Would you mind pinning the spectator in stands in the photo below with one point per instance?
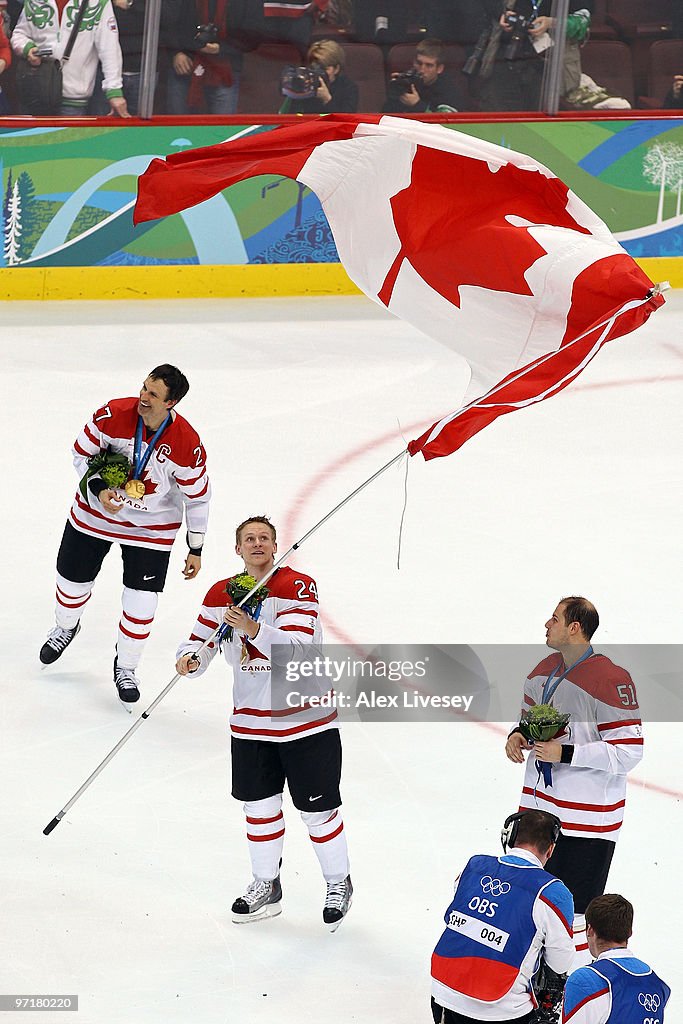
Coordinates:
(429, 90)
(47, 26)
(5, 61)
(205, 67)
(337, 93)
(511, 72)
(673, 99)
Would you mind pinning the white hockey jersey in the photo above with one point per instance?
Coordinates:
(175, 478)
(605, 728)
(289, 615)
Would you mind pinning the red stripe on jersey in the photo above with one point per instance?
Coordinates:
(81, 451)
(133, 636)
(264, 821)
(619, 725)
(529, 700)
(297, 629)
(298, 611)
(594, 995)
(270, 713)
(122, 536)
(91, 437)
(326, 839)
(592, 828)
(563, 919)
(188, 483)
(138, 622)
(201, 493)
(206, 622)
(124, 522)
(284, 732)
(265, 839)
(615, 743)
(573, 805)
(580, 948)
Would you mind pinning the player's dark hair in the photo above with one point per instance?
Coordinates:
(176, 382)
(538, 829)
(611, 917)
(579, 609)
(254, 519)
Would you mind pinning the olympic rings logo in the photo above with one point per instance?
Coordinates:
(494, 886)
(649, 1001)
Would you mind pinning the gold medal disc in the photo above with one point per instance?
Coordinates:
(135, 489)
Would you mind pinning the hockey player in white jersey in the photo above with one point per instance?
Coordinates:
(269, 747)
(580, 775)
(140, 466)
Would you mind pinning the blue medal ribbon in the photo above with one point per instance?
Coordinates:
(551, 684)
(139, 460)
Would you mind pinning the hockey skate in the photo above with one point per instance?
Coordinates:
(261, 900)
(337, 902)
(57, 642)
(126, 684)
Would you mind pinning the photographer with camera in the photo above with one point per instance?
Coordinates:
(510, 57)
(424, 88)
(205, 68)
(322, 87)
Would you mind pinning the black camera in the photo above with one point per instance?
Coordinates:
(406, 79)
(519, 36)
(302, 83)
(206, 34)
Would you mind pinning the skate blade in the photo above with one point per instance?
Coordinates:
(332, 928)
(270, 910)
(127, 707)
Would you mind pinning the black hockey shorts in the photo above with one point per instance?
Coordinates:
(311, 766)
(81, 555)
(583, 865)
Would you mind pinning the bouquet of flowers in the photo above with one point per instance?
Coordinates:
(238, 587)
(542, 722)
(113, 467)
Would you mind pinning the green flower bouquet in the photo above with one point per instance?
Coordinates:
(237, 588)
(113, 467)
(542, 722)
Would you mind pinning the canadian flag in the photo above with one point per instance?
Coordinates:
(480, 247)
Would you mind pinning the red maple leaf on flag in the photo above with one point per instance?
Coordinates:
(459, 234)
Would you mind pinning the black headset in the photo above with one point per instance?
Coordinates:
(508, 834)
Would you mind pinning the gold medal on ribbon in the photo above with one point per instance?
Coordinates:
(135, 489)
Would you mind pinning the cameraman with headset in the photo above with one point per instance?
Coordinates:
(512, 52)
(425, 88)
(508, 944)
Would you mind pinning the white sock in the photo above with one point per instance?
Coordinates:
(582, 954)
(70, 600)
(326, 829)
(136, 621)
(265, 836)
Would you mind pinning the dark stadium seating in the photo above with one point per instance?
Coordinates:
(609, 64)
(665, 60)
(365, 65)
(259, 84)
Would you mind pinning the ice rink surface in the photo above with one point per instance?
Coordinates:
(127, 903)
